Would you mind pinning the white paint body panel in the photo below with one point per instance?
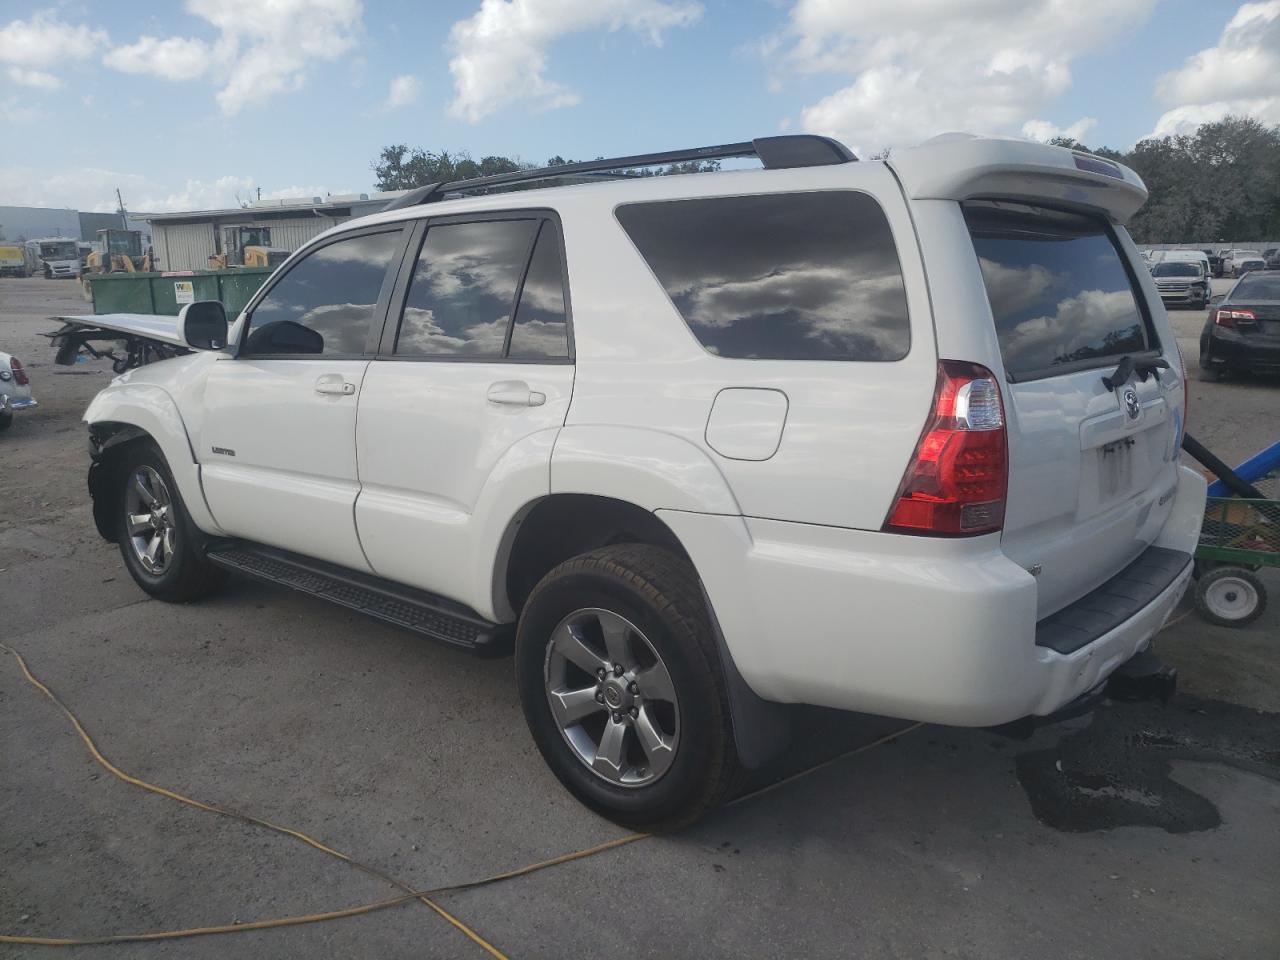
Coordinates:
(292, 481)
(438, 460)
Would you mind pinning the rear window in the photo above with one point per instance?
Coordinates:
(1257, 286)
(797, 276)
(1060, 293)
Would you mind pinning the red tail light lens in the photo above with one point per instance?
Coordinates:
(19, 375)
(1229, 317)
(957, 480)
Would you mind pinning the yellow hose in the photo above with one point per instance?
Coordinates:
(423, 896)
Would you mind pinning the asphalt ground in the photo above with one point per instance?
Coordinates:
(1143, 831)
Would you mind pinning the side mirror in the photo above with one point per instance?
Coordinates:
(203, 325)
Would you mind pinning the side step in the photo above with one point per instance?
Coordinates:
(416, 610)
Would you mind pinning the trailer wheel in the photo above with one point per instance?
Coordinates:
(1230, 596)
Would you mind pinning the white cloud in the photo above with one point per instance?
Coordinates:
(24, 77)
(403, 91)
(917, 68)
(262, 49)
(1044, 130)
(500, 53)
(44, 40)
(92, 188)
(171, 58)
(1241, 75)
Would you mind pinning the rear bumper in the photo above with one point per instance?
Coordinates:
(936, 630)
(1235, 351)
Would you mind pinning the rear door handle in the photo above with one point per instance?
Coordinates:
(515, 393)
(334, 384)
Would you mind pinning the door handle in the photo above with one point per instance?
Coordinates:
(334, 384)
(515, 393)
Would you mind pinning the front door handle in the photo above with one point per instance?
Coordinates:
(334, 384)
(515, 393)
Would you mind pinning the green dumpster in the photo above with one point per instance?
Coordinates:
(166, 293)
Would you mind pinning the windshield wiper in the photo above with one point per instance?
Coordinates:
(1142, 366)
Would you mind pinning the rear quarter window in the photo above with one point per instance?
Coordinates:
(796, 276)
(1061, 294)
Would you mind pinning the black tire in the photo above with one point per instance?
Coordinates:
(1230, 596)
(659, 593)
(187, 574)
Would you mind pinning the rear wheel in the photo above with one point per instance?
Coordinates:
(622, 687)
(1230, 596)
(161, 546)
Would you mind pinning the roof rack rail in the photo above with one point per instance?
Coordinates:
(775, 153)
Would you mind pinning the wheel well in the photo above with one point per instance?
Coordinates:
(107, 442)
(567, 524)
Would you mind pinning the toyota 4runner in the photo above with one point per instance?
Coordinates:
(899, 437)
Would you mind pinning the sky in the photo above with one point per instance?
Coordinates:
(195, 105)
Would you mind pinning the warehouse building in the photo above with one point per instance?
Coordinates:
(35, 223)
(186, 241)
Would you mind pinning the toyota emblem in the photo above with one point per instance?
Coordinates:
(1131, 405)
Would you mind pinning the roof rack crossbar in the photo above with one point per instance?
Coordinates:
(799, 150)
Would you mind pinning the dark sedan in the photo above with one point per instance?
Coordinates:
(1243, 330)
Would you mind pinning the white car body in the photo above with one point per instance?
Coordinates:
(775, 476)
(14, 393)
(1233, 262)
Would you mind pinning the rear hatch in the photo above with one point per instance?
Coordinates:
(1092, 467)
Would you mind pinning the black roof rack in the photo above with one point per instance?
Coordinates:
(775, 153)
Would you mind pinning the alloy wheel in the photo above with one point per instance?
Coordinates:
(151, 520)
(612, 697)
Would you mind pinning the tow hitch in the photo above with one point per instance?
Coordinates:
(1144, 677)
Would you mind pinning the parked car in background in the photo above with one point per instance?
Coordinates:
(12, 260)
(1215, 263)
(1188, 256)
(1239, 262)
(1182, 283)
(1243, 329)
(15, 389)
(1222, 261)
(1271, 257)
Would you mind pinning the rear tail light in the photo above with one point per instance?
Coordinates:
(19, 375)
(1226, 317)
(958, 477)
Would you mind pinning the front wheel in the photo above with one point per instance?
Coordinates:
(1230, 596)
(160, 544)
(622, 687)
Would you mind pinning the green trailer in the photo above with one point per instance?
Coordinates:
(166, 293)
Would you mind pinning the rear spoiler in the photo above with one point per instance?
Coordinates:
(957, 166)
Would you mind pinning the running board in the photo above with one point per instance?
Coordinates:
(423, 613)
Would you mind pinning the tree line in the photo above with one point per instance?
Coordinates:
(1220, 183)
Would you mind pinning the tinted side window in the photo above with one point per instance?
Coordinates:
(800, 276)
(463, 288)
(324, 304)
(1059, 291)
(540, 330)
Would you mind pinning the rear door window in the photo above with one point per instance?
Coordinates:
(464, 289)
(796, 276)
(1061, 294)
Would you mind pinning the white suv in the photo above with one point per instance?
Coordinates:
(898, 437)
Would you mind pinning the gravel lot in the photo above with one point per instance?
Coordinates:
(1143, 832)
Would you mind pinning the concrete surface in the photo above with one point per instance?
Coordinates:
(1141, 832)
